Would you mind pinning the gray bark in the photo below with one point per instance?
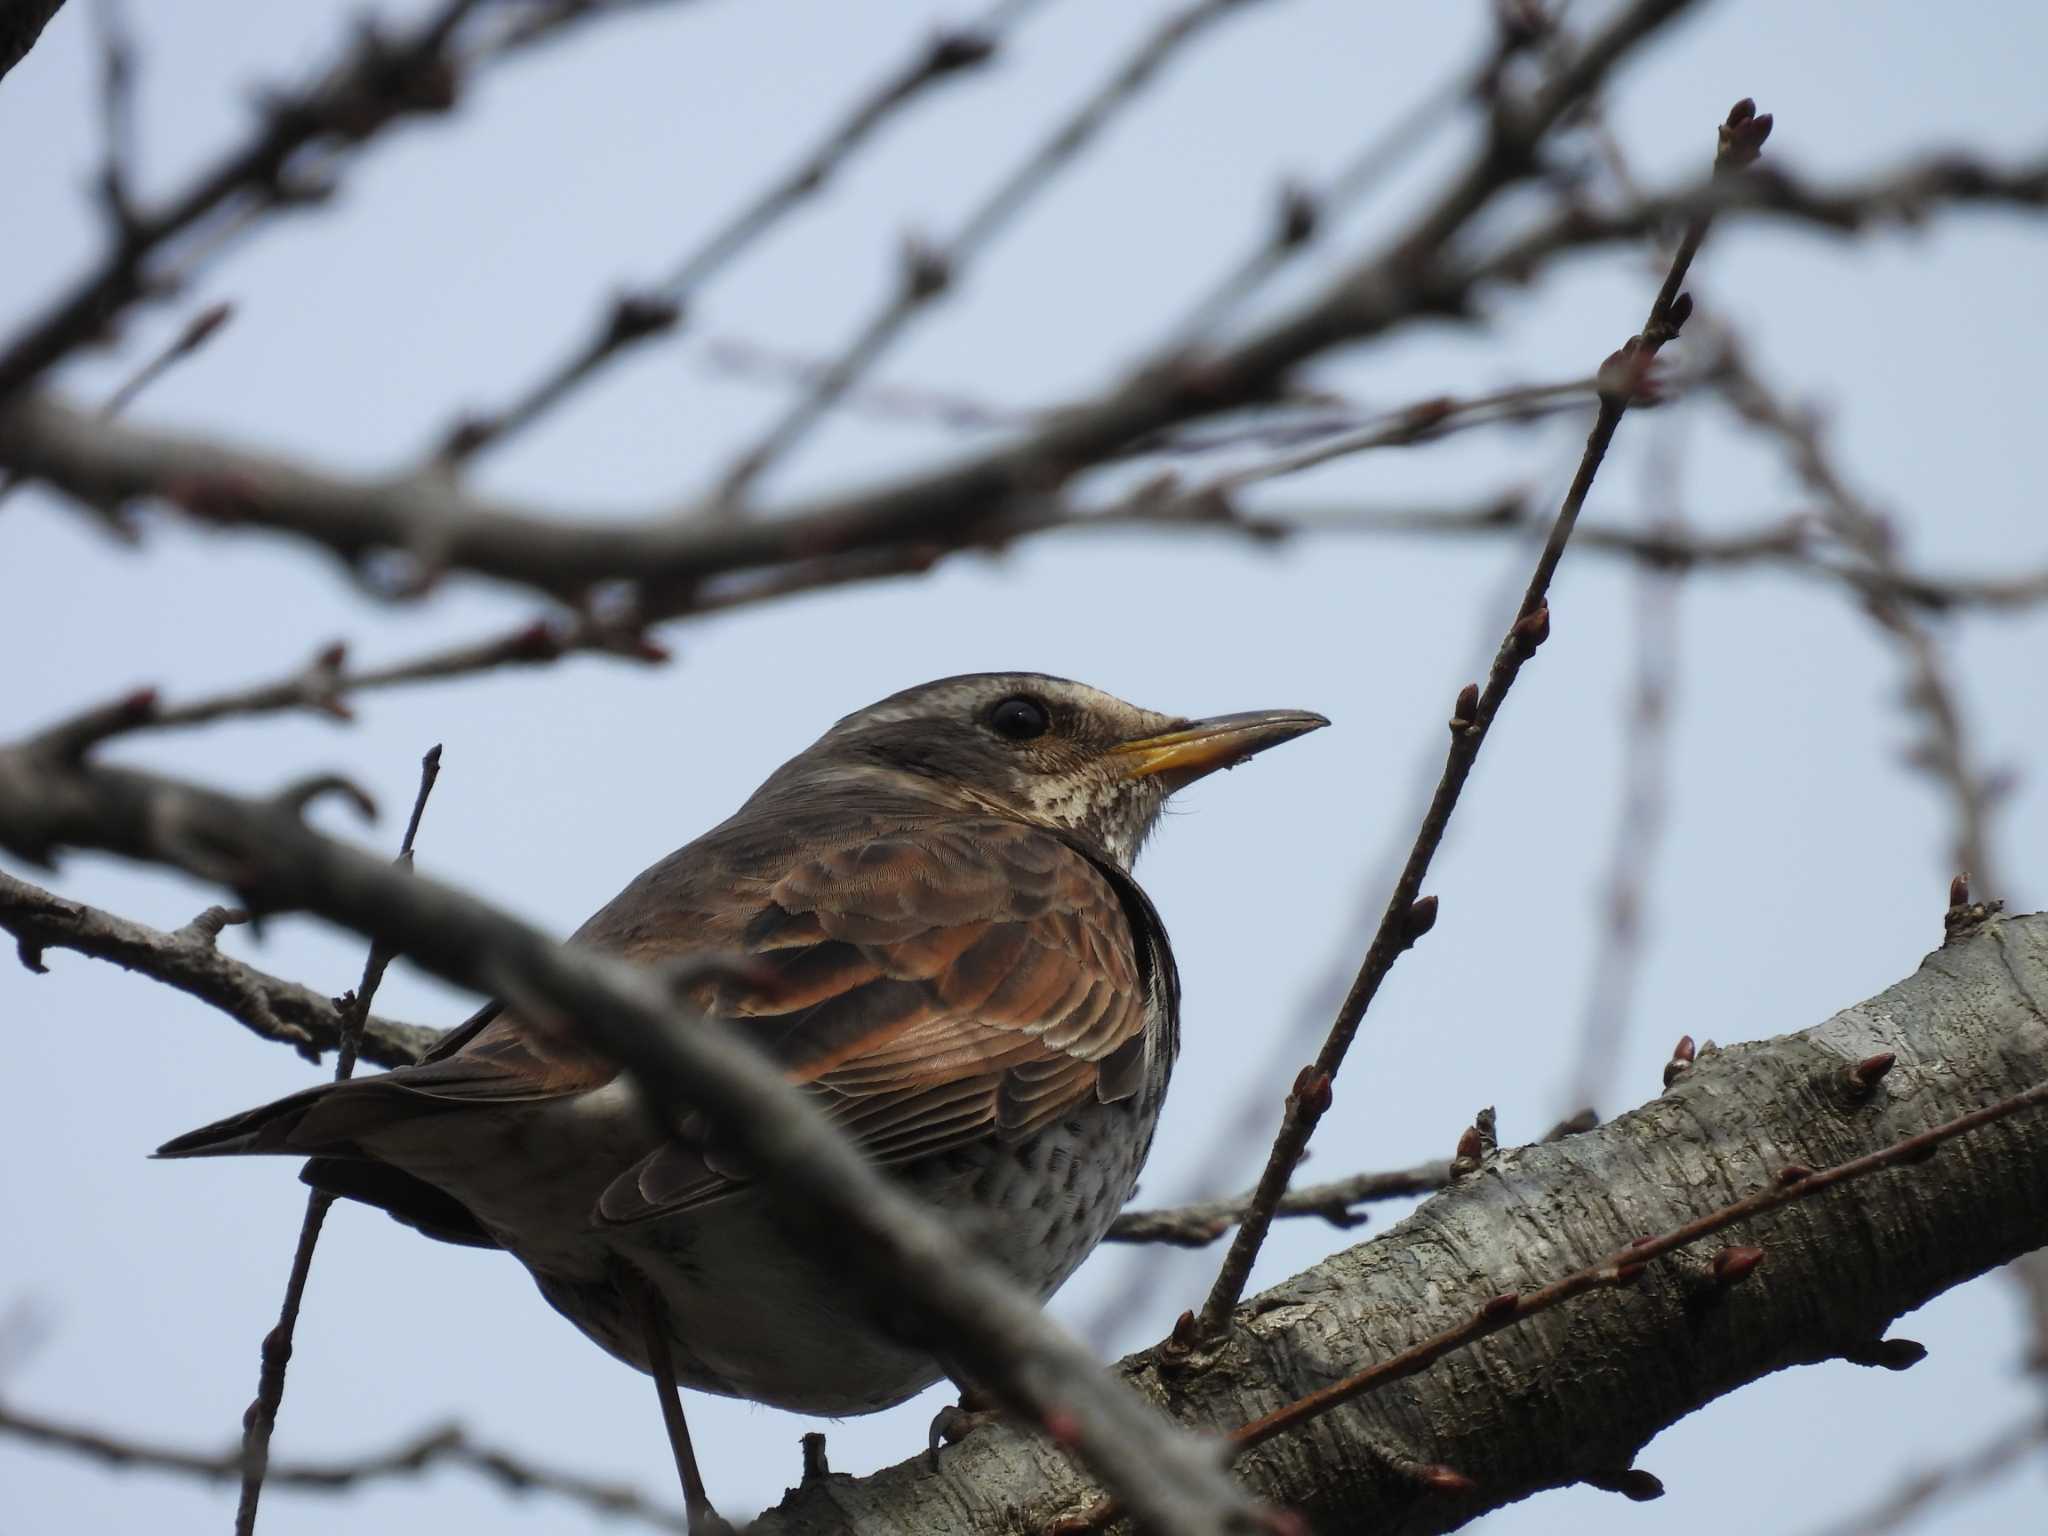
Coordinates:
(1575, 1392)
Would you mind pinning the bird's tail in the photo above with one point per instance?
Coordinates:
(327, 1120)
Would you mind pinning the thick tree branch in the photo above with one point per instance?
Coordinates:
(1574, 1393)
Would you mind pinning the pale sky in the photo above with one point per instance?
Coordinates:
(1802, 866)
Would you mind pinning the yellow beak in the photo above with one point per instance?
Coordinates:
(1189, 751)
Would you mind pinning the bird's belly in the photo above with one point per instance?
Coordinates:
(757, 1313)
(759, 1307)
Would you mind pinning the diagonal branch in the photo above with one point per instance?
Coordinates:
(929, 272)
(639, 316)
(191, 961)
(1409, 915)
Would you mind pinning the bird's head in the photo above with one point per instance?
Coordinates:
(1036, 749)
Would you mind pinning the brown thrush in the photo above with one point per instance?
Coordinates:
(948, 953)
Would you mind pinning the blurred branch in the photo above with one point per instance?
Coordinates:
(638, 316)
(1337, 1202)
(199, 330)
(375, 82)
(1870, 542)
(1644, 803)
(1303, 212)
(1906, 196)
(326, 682)
(1409, 914)
(449, 1445)
(377, 79)
(117, 114)
(191, 961)
(1958, 1479)
(929, 271)
(436, 528)
(980, 1322)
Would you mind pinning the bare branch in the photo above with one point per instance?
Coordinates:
(1870, 542)
(930, 271)
(449, 1445)
(191, 961)
(1337, 1202)
(377, 81)
(639, 316)
(1410, 914)
(1643, 804)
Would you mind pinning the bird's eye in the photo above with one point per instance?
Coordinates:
(1019, 719)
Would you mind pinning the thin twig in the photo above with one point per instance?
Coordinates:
(196, 333)
(449, 1445)
(376, 81)
(1304, 212)
(1870, 542)
(1199, 1224)
(261, 1418)
(643, 314)
(929, 271)
(1408, 914)
(1643, 803)
(117, 115)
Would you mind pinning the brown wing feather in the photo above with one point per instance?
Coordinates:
(933, 986)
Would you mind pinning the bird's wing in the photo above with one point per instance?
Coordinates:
(933, 986)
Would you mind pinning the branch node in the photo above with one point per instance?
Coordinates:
(1421, 918)
(1299, 215)
(1886, 1354)
(1531, 630)
(1465, 714)
(1311, 1092)
(1476, 1144)
(927, 270)
(1631, 1483)
(1863, 1077)
(1683, 1055)
(816, 1467)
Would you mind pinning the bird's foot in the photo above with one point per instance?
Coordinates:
(955, 1422)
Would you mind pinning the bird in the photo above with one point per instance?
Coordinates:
(943, 947)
